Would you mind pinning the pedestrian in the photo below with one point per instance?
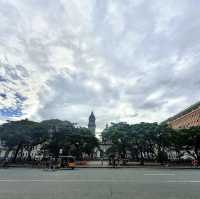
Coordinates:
(53, 164)
(101, 161)
(110, 161)
(5, 163)
(117, 161)
(50, 165)
(114, 163)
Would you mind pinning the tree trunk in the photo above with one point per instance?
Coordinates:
(6, 154)
(141, 157)
(137, 155)
(148, 155)
(197, 155)
(21, 154)
(16, 153)
(160, 155)
(179, 155)
(29, 153)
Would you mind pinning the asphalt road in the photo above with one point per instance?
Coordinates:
(99, 184)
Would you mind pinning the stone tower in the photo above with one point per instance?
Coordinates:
(92, 123)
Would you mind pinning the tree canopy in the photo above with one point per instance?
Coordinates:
(151, 141)
(52, 134)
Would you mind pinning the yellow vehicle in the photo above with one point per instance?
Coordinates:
(67, 161)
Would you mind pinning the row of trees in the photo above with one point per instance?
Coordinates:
(54, 135)
(152, 141)
(144, 141)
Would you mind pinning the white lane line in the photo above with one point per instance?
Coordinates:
(69, 180)
(183, 181)
(89, 181)
(159, 174)
(60, 174)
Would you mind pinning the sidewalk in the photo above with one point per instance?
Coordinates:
(98, 164)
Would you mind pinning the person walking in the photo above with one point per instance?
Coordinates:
(102, 161)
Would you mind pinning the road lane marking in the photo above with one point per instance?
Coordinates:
(183, 181)
(69, 180)
(91, 181)
(159, 174)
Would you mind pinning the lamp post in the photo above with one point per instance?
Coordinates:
(60, 151)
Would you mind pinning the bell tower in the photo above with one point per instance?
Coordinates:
(92, 123)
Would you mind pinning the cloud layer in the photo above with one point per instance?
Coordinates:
(125, 60)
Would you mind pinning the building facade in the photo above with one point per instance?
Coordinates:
(187, 118)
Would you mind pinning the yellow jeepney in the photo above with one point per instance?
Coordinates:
(67, 162)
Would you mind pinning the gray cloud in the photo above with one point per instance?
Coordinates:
(126, 60)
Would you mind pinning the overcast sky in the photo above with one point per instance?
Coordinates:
(127, 60)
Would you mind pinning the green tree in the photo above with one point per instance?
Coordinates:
(192, 141)
(177, 140)
(143, 136)
(118, 135)
(20, 134)
(144, 140)
(162, 141)
(59, 133)
(71, 139)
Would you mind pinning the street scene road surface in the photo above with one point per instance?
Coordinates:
(140, 183)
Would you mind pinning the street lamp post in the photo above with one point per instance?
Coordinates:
(61, 151)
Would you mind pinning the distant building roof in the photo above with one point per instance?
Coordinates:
(184, 112)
